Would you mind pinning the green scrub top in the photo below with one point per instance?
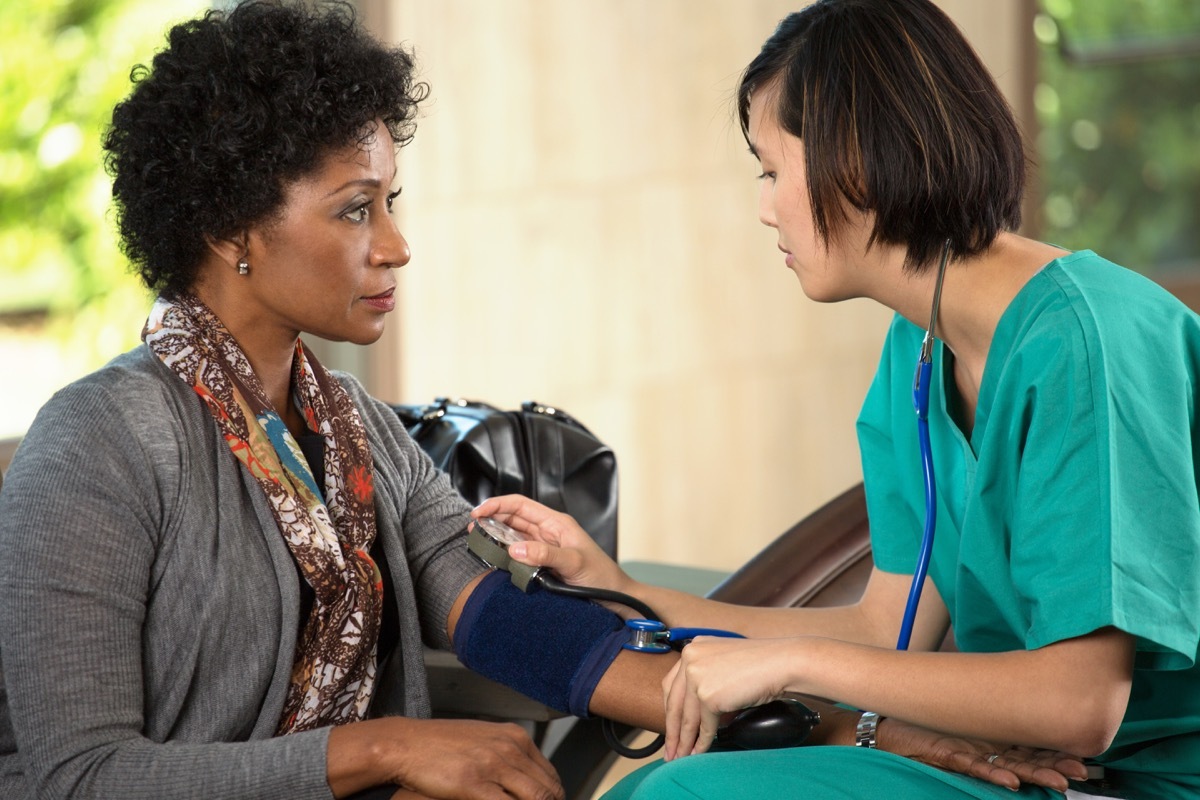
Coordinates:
(1073, 505)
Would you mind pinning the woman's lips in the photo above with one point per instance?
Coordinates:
(384, 301)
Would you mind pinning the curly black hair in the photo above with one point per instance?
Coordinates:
(237, 106)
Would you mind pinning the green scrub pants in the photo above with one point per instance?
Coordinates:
(827, 773)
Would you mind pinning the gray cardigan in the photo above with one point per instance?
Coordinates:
(149, 606)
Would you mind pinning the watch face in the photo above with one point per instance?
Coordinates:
(499, 531)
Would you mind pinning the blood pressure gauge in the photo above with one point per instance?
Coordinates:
(489, 539)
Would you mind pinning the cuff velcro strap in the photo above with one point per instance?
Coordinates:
(551, 648)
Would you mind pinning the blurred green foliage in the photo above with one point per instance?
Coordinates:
(1118, 101)
(65, 64)
(1118, 155)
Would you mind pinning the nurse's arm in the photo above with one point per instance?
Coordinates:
(631, 691)
(1069, 696)
(873, 620)
(559, 544)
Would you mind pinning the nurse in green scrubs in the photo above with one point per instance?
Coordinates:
(1065, 441)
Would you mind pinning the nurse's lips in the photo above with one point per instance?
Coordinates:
(384, 301)
(788, 256)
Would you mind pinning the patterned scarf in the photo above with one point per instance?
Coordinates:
(334, 671)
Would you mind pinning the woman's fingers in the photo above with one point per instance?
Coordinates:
(1069, 765)
(464, 758)
(998, 764)
(1046, 768)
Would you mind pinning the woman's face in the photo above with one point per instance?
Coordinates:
(827, 272)
(324, 265)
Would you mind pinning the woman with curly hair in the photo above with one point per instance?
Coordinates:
(219, 560)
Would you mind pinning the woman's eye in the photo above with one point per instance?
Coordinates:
(766, 176)
(391, 198)
(358, 214)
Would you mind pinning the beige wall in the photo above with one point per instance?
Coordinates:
(581, 210)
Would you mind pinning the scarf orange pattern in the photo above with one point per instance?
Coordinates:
(333, 676)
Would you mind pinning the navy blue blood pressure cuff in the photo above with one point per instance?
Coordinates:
(549, 647)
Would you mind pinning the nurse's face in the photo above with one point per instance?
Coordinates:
(828, 271)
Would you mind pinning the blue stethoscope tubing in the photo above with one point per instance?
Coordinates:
(921, 392)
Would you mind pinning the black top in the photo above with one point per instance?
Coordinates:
(313, 447)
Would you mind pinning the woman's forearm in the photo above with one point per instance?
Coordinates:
(438, 758)
(631, 689)
(353, 760)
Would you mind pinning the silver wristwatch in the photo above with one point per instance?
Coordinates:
(864, 734)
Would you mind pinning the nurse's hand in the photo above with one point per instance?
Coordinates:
(1009, 766)
(715, 676)
(557, 542)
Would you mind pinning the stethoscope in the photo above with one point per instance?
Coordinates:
(921, 382)
(651, 635)
(489, 539)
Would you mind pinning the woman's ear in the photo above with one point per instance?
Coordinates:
(230, 250)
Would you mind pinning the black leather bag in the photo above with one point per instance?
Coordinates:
(538, 451)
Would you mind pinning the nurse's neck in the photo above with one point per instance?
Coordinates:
(976, 293)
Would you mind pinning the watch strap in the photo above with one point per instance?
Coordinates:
(864, 733)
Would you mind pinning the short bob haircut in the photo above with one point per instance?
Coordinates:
(899, 119)
(239, 105)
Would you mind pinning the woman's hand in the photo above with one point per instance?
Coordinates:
(556, 541)
(440, 758)
(1009, 766)
(471, 759)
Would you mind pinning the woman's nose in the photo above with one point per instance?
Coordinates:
(391, 248)
(766, 204)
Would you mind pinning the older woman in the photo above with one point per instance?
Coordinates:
(218, 558)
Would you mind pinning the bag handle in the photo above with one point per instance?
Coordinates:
(417, 417)
(533, 407)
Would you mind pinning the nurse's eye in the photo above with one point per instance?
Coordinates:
(391, 198)
(766, 176)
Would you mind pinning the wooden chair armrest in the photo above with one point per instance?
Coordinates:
(455, 691)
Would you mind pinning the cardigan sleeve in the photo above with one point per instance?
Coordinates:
(83, 512)
(431, 516)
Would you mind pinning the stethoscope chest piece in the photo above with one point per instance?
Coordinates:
(646, 636)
